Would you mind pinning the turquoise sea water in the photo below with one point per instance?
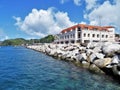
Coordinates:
(24, 69)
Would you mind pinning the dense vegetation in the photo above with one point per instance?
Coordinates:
(17, 41)
(21, 41)
(47, 39)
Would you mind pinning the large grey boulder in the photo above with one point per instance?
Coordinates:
(95, 56)
(52, 52)
(82, 48)
(90, 45)
(115, 60)
(111, 48)
(89, 51)
(92, 57)
(97, 49)
(115, 70)
(95, 68)
(70, 48)
(99, 55)
(51, 46)
(102, 62)
(85, 64)
(82, 57)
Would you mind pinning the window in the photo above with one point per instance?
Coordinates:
(106, 36)
(68, 36)
(65, 37)
(79, 29)
(102, 36)
(71, 35)
(84, 34)
(93, 35)
(97, 35)
(88, 35)
(79, 35)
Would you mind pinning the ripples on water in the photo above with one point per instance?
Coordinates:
(24, 69)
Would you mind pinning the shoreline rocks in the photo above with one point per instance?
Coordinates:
(98, 57)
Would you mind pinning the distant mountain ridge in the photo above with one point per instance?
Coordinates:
(21, 41)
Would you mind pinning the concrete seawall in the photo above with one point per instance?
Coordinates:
(97, 57)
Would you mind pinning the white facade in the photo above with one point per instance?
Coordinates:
(85, 33)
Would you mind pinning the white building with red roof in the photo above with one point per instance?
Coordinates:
(85, 33)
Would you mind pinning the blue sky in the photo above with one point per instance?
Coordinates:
(38, 18)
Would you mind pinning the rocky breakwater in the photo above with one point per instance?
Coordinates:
(98, 57)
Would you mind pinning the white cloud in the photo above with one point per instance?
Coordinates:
(3, 36)
(43, 22)
(63, 1)
(77, 2)
(106, 14)
(62, 20)
(93, 22)
(18, 19)
(91, 4)
(83, 22)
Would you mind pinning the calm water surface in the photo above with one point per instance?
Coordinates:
(24, 69)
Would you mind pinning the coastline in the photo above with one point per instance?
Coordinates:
(97, 57)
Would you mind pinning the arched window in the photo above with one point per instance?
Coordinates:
(84, 34)
(79, 28)
(102, 36)
(93, 35)
(88, 35)
(97, 35)
(106, 36)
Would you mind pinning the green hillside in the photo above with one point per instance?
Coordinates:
(17, 41)
(21, 41)
(47, 39)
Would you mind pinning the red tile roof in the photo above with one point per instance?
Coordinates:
(90, 27)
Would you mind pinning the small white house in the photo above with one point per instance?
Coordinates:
(85, 33)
